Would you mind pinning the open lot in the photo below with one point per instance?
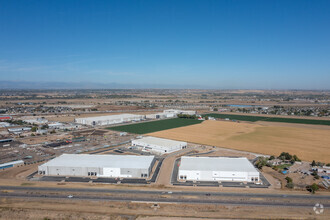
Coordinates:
(270, 119)
(307, 143)
(153, 126)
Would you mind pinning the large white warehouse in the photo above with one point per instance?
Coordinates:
(217, 169)
(159, 145)
(178, 111)
(109, 119)
(99, 165)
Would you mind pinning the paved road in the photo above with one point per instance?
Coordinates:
(158, 192)
(167, 166)
(304, 204)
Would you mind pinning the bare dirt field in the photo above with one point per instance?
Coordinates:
(66, 209)
(307, 143)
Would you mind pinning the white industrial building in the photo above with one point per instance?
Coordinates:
(217, 169)
(109, 119)
(160, 116)
(178, 111)
(130, 166)
(11, 164)
(158, 145)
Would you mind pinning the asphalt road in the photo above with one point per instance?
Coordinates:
(159, 192)
(162, 200)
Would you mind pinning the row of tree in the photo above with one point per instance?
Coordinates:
(187, 116)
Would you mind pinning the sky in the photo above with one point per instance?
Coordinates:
(189, 44)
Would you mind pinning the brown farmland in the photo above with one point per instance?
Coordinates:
(307, 143)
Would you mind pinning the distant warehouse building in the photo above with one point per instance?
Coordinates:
(158, 145)
(3, 118)
(217, 169)
(99, 165)
(178, 111)
(109, 119)
(11, 164)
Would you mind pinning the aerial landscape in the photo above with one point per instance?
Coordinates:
(172, 110)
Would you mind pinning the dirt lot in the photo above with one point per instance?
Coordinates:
(307, 143)
(65, 209)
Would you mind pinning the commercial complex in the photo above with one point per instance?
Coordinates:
(130, 166)
(109, 119)
(217, 169)
(158, 145)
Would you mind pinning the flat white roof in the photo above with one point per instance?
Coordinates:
(12, 163)
(90, 160)
(161, 141)
(217, 164)
(110, 117)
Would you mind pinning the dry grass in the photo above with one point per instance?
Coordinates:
(64, 209)
(307, 143)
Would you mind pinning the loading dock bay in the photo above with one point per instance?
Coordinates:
(101, 179)
(175, 182)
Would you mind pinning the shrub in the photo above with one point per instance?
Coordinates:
(288, 179)
(290, 185)
(312, 188)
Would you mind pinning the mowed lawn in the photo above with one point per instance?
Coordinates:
(153, 126)
(270, 119)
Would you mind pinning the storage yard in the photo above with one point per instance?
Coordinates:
(309, 143)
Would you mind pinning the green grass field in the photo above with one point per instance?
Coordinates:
(153, 126)
(271, 119)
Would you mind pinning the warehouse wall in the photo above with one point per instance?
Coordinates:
(157, 148)
(104, 172)
(218, 175)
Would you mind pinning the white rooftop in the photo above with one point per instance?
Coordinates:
(217, 164)
(90, 160)
(12, 163)
(110, 117)
(161, 141)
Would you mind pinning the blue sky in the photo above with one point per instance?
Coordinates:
(211, 44)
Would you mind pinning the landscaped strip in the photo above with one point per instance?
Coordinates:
(153, 126)
(271, 119)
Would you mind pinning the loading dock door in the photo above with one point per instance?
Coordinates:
(111, 172)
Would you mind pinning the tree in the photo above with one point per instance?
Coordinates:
(313, 163)
(285, 156)
(262, 161)
(288, 179)
(271, 157)
(312, 188)
(206, 118)
(215, 109)
(45, 127)
(34, 129)
(296, 158)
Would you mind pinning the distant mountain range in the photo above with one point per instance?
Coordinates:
(87, 85)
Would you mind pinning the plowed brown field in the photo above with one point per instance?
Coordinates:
(307, 143)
